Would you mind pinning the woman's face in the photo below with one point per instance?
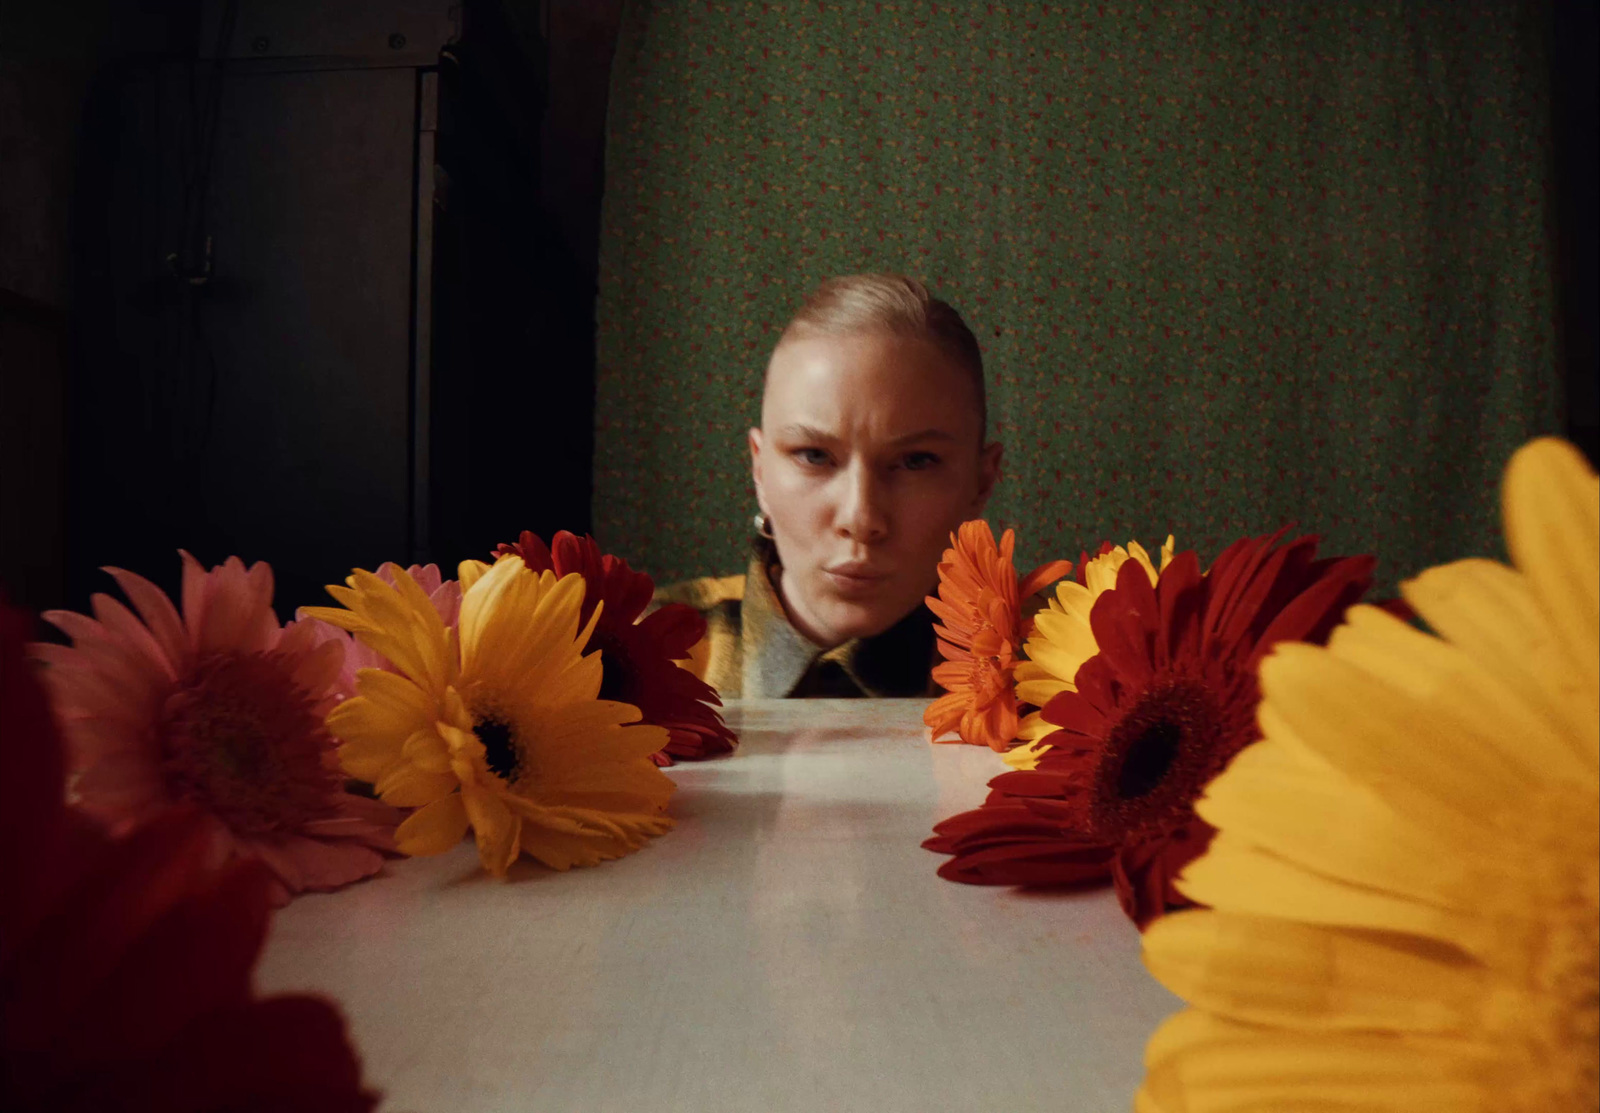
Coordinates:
(869, 454)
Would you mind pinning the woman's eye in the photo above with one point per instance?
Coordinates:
(919, 461)
(815, 457)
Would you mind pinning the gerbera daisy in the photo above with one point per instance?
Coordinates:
(639, 656)
(979, 604)
(221, 708)
(1167, 701)
(125, 964)
(1062, 640)
(445, 595)
(496, 725)
(1405, 886)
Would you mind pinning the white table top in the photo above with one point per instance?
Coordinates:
(787, 947)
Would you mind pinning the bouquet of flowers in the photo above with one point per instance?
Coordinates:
(530, 700)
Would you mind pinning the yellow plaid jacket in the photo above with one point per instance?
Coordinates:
(751, 651)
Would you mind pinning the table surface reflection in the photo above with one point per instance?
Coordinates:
(787, 947)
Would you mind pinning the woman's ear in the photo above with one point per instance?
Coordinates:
(988, 474)
(754, 438)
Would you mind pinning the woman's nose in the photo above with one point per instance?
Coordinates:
(861, 514)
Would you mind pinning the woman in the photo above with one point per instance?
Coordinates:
(871, 450)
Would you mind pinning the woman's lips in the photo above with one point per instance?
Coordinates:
(854, 581)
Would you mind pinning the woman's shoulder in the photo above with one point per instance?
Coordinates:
(703, 594)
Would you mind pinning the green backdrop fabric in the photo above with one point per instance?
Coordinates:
(1232, 265)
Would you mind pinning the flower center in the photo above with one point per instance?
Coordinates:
(1157, 760)
(501, 752)
(1149, 757)
(243, 741)
(991, 680)
(1550, 1023)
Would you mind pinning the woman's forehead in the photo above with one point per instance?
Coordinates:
(890, 387)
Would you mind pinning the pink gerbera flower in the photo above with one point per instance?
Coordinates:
(221, 708)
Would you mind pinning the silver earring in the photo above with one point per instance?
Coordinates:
(763, 525)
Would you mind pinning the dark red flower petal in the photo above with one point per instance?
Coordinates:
(1312, 615)
(126, 963)
(1145, 875)
(1181, 592)
(531, 548)
(32, 771)
(1013, 847)
(1124, 624)
(285, 1055)
(677, 628)
(1075, 713)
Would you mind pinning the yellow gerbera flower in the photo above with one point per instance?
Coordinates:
(1062, 641)
(495, 724)
(1406, 883)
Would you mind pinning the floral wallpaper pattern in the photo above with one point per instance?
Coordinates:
(1231, 265)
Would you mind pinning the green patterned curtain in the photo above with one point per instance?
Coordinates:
(1232, 265)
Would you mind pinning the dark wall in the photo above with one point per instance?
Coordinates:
(50, 55)
(1575, 45)
(144, 410)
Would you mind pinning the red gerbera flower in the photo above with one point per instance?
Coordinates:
(125, 964)
(1166, 703)
(638, 655)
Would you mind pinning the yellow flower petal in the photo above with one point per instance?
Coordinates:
(469, 572)
(1431, 671)
(406, 786)
(426, 751)
(1026, 756)
(1314, 816)
(1490, 612)
(1415, 754)
(1198, 1063)
(1298, 976)
(495, 828)
(1039, 693)
(1552, 524)
(433, 829)
(1241, 877)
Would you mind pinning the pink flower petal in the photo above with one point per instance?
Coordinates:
(158, 613)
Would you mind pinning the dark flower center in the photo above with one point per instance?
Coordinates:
(243, 741)
(1157, 759)
(1148, 758)
(500, 746)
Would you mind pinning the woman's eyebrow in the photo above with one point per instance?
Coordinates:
(801, 432)
(924, 435)
(806, 433)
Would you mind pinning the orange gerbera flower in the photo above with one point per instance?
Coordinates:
(980, 605)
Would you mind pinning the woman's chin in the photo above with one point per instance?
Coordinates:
(857, 618)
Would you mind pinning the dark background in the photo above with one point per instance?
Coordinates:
(386, 351)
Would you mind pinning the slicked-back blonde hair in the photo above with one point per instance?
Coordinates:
(896, 304)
